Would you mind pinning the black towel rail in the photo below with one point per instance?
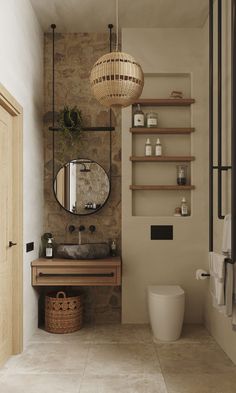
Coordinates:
(233, 131)
(219, 167)
(211, 172)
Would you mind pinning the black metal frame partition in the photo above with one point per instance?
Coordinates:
(219, 167)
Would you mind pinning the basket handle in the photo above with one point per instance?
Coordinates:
(61, 293)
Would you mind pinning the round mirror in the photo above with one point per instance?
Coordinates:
(82, 186)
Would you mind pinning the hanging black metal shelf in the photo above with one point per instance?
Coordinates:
(85, 129)
(53, 127)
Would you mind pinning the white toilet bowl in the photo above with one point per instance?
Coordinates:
(166, 311)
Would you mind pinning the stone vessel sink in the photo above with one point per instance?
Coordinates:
(83, 251)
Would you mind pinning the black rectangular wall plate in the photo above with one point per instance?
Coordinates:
(161, 232)
(29, 247)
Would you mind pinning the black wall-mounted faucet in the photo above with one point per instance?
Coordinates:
(92, 228)
(73, 228)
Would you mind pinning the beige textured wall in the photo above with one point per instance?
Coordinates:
(75, 56)
(218, 325)
(21, 72)
(167, 262)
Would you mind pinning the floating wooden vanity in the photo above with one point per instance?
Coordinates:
(70, 272)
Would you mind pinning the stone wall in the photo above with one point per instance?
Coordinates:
(75, 55)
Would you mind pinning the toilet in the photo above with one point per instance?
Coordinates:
(166, 311)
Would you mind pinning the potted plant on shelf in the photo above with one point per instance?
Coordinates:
(70, 120)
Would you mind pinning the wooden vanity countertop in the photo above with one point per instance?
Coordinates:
(109, 261)
(76, 272)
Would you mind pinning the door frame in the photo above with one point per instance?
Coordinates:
(8, 102)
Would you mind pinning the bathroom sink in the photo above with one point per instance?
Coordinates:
(83, 251)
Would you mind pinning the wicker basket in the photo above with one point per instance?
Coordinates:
(63, 314)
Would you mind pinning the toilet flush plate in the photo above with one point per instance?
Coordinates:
(161, 232)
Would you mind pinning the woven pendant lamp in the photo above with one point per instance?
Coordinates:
(116, 78)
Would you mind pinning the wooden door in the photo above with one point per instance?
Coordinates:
(6, 232)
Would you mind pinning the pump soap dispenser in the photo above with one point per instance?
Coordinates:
(49, 248)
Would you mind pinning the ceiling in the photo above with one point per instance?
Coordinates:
(95, 15)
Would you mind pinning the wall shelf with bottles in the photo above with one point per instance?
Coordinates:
(161, 187)
(158, 131)
(151, 102)
(156, 189)
(162, 158)
(165, 101)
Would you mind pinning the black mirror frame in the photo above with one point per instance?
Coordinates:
(93, 211)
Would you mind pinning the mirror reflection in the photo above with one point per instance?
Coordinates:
(81, 186)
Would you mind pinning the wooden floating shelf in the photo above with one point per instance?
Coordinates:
(172, 131)
(161, 188)
(162, 159)
(165, 101)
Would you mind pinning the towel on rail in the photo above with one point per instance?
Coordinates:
(226, 239)
(217, 278)
(229, 281)
(234, 299)
(221, 283)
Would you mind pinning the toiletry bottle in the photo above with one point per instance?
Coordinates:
(184, 207)
(148, 148)
(158, 148)
(113, 248)
(138, 117)
(181, 175)
(177, 212)
(49, 248)
(151, 119)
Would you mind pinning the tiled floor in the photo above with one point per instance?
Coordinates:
(119, 358)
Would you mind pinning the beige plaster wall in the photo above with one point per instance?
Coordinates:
(218, 325)
(75, 55)
(163, 51)
(21, 72)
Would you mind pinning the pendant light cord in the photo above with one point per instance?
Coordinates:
(117, 25)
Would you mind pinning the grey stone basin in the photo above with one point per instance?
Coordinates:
(83, 251)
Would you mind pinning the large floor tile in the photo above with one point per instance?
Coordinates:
(191, 334)
(201, 383)
(119, 358)
(122, 359)
(49, 358)
(126, 333)
(194, 358)
(83, 335)
(106, 334)
(125, 384)
(35, 383)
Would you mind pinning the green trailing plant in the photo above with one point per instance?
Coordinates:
(70, 120)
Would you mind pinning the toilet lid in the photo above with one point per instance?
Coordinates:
(166, 290)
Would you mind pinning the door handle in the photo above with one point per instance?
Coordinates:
(11, 244)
